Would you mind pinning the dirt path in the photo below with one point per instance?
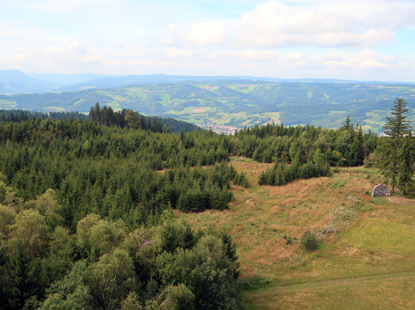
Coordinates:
(341, 282)
(401, 200)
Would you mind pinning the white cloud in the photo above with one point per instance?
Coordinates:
(207, 33)
(74, 46)
(318, 23)
(199, 34)
(54, 49)
(279, 38)
(19, 58)
(324, 24)
(92, 56)
(63, 6)
(53, 5)
(366, 59)
(180, 53)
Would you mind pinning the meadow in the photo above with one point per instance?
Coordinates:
(368, 261)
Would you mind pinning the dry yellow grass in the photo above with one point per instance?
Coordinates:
(377, 240)
(260, 217)
(401, 200)
(373, 292)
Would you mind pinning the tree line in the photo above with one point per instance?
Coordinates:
(303, 151)
(86, 218)
(346, 146)
(105, 116)
(86, 208)
(103, 264)
(115, 172)
(23, 115)
(112, 171)
(395, 154)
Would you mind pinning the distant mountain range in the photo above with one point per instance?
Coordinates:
(219, 101)
(211, 101)
(16, 82)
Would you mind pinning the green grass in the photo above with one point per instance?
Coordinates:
(371, 259)
(115, 105)
(242, 159)
(7, 104)
(389, 291)
(78, 102)
(204, 114)
(363, 170)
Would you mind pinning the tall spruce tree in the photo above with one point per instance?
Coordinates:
(405, 178)
(397, 127)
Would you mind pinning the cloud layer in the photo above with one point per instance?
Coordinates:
(322, 24)
(318, 38)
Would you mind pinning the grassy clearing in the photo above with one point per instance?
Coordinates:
(242, 159)
(7, 104)
(377, 240)
(203, 114)
(394, 291)
(53, 108)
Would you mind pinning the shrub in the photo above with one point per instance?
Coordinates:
(309, 241)
(288, 240)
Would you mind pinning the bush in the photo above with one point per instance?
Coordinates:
(309, 241)
(288, 240)
(241, 180)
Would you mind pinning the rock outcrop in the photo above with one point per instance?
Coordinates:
(380, 190)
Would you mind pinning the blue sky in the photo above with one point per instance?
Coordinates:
(360, 40)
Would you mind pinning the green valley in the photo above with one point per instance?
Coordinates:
(235, 103)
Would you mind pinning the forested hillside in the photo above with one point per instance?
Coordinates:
(86, 219)
(113, 171)
(105, 116)
(87, 206)
(236, 103)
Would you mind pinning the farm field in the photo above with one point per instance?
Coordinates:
(369, 260)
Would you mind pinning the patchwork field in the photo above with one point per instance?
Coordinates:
(369, 259)
(234, 103)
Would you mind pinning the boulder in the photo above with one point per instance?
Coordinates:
(380, 190)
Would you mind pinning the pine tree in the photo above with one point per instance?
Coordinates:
(348, 124)
(406, 167)
(396, 127)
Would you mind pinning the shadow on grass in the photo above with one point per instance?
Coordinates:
(255, 283)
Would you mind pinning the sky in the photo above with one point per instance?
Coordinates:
(353, 39)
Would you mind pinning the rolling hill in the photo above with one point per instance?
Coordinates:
(14, 81)
(235, 103)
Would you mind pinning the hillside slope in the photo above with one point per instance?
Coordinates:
(236, 103)
(369, 261)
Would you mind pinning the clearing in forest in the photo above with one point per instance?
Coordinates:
(370, 259)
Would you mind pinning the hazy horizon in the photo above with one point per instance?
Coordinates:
(88, 76)
(321, 39)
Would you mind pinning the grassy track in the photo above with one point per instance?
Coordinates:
(335, 282)
(384, 291)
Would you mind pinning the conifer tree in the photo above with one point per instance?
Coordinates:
(406, 167)
(397, 127)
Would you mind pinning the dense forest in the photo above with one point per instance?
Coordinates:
(86, 218)
(23, 115)
(86, 206)
(105, 116)
(105, 265)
